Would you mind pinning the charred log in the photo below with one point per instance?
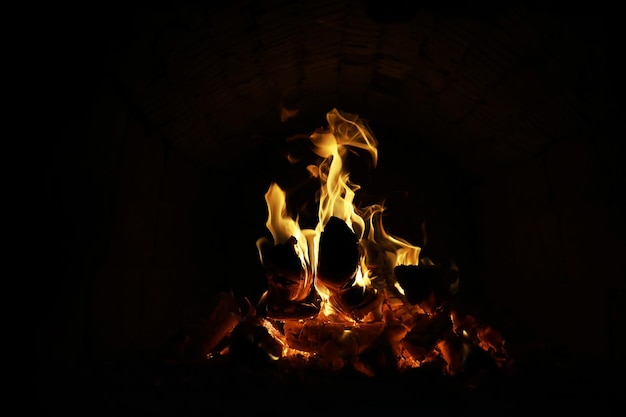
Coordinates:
(286, 310)
(381, 357)
(339, 254)
(207, 333)
(334, 342)
(452, 349)
(480, 369)
(470, 363)
(359, 303)
(427, 331)
(287, 276)
(253, 345)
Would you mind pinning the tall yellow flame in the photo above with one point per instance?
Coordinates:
(337, 193)
(345, 132)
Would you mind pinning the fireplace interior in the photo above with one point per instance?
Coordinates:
(497, 154)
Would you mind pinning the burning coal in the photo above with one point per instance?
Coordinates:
(341, 291)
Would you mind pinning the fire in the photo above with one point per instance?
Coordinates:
(344, 134)
(344, 288)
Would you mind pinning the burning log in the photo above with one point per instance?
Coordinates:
(222, 321)
(254, 342)
(288, 310)
(361, 304)
(334, 344)
(386, 354)
(289, 283)
(339, 255)
(469, 362)
(482, 335)
(207, 334)
(427, 331)
(288, 278)
(452, 349)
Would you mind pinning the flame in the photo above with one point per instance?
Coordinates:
(345, 134)
(338, 333)
(337, 192)
(281, 224)
(398, 250)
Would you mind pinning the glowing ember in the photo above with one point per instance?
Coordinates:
(345, 292)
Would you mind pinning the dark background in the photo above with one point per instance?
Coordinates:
(143, 222)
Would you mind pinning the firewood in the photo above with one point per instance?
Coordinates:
(480, 334)
(290, 310)
(253, 344)
(363, 368)
(427, 331)
(331, 339)
(452, 349)
(478, 364)
(287, 276)
(358, 303)
(490, 339)
(339, 254)
(225, 316)
(395, 330)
